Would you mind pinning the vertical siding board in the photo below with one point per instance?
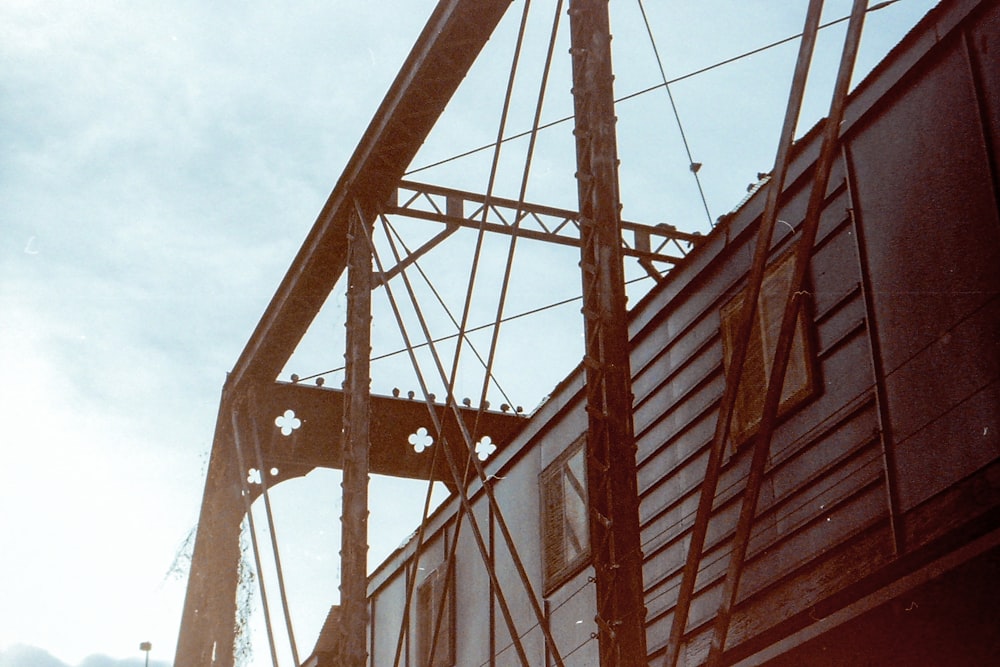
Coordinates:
(933, 255)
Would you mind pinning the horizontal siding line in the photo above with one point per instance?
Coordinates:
(770, 514)
(713, 373)
(709, 309)
(822, 318)
(857, 327)
(959, 403)
(809, 559)
(779, 458)
(789, 505)
(818, 432)
(682, 364)
(975, 311)
(743, 236)
(835, 307)
(780, 575)
(715, 305)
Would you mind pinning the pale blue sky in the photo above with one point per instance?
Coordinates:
(160, 163)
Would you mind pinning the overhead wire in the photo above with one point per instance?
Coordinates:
(450, 380)
(272, 531)
(650, 89)
(248, 507)
(437, 295)
(481, 327)
(522, 194)
(694, 166)
(439, 429)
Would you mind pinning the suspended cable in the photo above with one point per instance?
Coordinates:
(439, 430)
(741, 339)
(508, 267)
(480, 471)
(463, 325)
(644, 91)
(441, 339)
(542, 620)
(491, 183)
(694, 166)
(389, 227)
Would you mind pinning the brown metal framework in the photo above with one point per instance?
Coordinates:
(450, 42)
(372, 425)
(794, 303)
(611, 452)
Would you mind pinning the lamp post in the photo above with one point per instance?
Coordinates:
(147, 647)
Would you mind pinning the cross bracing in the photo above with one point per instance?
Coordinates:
(371, 189)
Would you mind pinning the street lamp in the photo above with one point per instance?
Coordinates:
(147, 647)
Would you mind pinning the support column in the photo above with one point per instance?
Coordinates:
(353, 647)
(208, 625)
(611, 452)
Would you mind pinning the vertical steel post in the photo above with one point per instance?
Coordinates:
(706, 499)
(352, 647)
(611, 471)
(783, 346)
(208, 624)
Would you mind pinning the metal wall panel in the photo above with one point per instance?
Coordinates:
(928, 208)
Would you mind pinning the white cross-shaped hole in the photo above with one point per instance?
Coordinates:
(287, 422)
(420, 440)
(485, 447)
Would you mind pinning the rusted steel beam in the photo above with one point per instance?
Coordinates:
(313, 418)
(208, 622)
(450, 42)
(796, 295)
(352, 647)
(611, 451)
(317, 441)
(741, 340)
(534, 221)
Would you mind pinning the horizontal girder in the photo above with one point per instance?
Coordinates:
(300, 427)
(458, 208)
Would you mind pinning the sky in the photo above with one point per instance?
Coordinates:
(160, 164)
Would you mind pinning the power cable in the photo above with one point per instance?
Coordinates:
(644, 91)
(439, 429)
(489, 375)
(481, 327)
(274, 538)
(694, 166)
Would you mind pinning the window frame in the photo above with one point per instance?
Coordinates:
(428, 592)
(558, 566)
(802, 363)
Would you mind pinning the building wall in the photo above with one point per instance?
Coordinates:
(904, 283)
(894, 461)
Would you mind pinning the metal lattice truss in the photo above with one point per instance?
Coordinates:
(268, 431)
(650, 244)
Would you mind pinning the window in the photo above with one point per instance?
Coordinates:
(429, 596)
(565, 520)
(799, 377)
